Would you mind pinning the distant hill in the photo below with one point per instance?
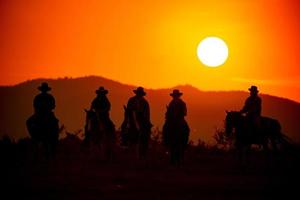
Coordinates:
(206, 110)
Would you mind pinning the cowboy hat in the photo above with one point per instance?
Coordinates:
(101, 90)
(44, 87)
(176, 93)
(253, 88)
(140, 91)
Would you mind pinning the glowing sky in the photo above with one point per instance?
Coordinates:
(153, 43)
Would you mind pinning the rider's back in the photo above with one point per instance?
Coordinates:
(43, 103)
(176, 110)
(140, 107)
(253, 106)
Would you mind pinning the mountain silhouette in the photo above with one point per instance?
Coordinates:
(206, 109)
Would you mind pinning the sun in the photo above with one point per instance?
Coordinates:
(212, 51)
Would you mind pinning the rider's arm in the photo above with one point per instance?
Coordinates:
(130, 104)
(135, 120)
(258, 106)
(93, 104)
(52, 104)
(184, 109)
(36, 104)
(147, 114)
(107, 106)
(246, 107)
(147, 111)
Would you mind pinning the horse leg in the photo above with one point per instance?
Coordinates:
(267, 153)
(241, 153)
(53, 150)
(274, 145)
(248, 153)
(172, 154)
(124, 138)
(109, 147)
(142, 150)
(143, 145)
(242, 156)
(47, 149)
(112, 147)
(177, 154)
(141, 153)
(181, 154)
(86, 144)
(35, 149)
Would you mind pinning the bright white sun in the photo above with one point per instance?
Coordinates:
(212, 51)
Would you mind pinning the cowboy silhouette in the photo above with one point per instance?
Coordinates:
(101, 106)
(44, 103)
(176, 130)
(177, 108)
(252, 109)
(139, 110)
(43, 125)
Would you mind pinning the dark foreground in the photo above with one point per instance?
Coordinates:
(206, 174)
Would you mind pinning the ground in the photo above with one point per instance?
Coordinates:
(206, 174)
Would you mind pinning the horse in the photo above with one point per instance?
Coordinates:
(134, 134)
(176, 137)
(99, 133)
(269, 131)
(44, 129)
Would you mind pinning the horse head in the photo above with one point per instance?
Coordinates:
(232, 120)
(166, 113)
(125, 111)
(90, 113)
(125, 122)
(90, 116)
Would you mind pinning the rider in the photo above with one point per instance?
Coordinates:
(177, 108)
(101, 106)
(139, 110)
(176, 111)
(43, 125)
(139, 117)
(44, 103)
(252, 109)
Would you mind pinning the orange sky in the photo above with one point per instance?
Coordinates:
(153, 43)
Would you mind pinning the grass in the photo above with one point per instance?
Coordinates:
(209, 172)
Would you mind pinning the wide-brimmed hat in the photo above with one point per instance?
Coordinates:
(253, 88)
(101, 90)
(140, 91)
(44, 87)
(176, 93)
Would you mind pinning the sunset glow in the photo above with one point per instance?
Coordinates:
(153, 43)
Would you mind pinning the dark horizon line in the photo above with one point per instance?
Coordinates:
(131, 85)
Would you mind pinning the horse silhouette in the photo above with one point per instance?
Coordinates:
(131, 136)
(44, 129)
(97, 133)
(175, 137)
(269, 132)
